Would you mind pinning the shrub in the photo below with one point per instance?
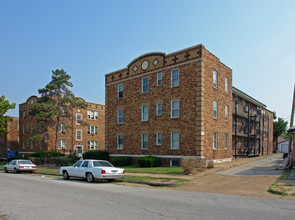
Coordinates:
(73, 158)
(47, 154)
(188, 165)
(210, 164)
(121, 161)
(98, 155)
(149, 161)
(15, 158)
(62, 161)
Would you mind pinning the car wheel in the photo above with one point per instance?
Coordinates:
(5, 170)
(89, 177)
(110, 180)
(15, 170)
(65, 175)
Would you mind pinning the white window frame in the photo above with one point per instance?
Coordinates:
(144, 85)
(120, 145)
(177, 109)
(175, 80)
(215, 137)
(226, 112)
(215, 79)
(92, 115)
(120, 90)
(143, 114)
(77, 135)
(92, 145)
(159, 138)
(92, 130)
(226, 84)
(215, 109)
(159, 79)
(174, 140)
(226, 141)
(159, 108)
(78, 119)
(143, 135)
(120, 116)
(62, 144)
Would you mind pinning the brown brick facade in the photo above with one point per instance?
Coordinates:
(9, 142)
(195, 94)
(73, 145)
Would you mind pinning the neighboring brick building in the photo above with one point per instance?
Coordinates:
(9, 142)
(252, 126)
(75, 140)
(172, 106)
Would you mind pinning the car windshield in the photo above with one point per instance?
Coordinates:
(102, 164)
(24, 162)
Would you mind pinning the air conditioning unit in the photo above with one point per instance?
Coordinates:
(92, 133)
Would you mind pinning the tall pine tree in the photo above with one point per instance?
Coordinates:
(55, 105)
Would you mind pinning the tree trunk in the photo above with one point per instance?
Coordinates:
(56, 133)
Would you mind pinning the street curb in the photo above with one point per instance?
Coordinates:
(138, 182)
(273, 191)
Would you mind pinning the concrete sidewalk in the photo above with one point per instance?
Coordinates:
(269, 166)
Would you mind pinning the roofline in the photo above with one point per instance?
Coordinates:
(249, 98)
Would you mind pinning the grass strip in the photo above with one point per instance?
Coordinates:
(154, 170)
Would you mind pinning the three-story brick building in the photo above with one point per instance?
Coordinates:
(75, 139)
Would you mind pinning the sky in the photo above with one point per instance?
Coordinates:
(90, 38)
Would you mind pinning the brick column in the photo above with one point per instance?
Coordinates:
(292, 134)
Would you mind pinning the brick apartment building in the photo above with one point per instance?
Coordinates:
(173, 106)
(75, 140)
(9, 142)
(252, 126)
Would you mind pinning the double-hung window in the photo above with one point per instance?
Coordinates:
(62, 144)
(92, 145)
(78, 119)
(144, 141)
(214, 109)
(40, 128)
(24, 145)
(40, 144)
(226, 112)
(24, 114)
(144, 113)
(32, 128)
(145, 84)
(214, 140)
(159, 108)
(175, 78)
(226, 84)
(120, 142)
(159, 79)
(93, 130)
(174, 140)
(92, 115)
(226, 141)
(120, 116)
(79, 135)
(175, 109)
(214, 79)
(159, 138)
(120, 90)
(24, 129)
(32, 145)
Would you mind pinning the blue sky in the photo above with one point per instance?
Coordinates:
(91, 38)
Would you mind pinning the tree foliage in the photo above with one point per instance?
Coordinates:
(55, 104)
(4, 107)
(279, 127)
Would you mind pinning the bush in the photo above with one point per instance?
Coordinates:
(98, 155)
(73, 158)
(121, 161)
(15, 158)
(210, 164)
(37, 160)
(188, 164)
(149, 161)
(62, 161)
(47, 154)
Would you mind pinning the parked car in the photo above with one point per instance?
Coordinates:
(91, 170)
(18, 166)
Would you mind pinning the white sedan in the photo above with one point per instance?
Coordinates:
(18, 166)
(91, 170)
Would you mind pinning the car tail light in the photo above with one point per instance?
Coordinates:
(123, 171)
(33, 166)
(103, 172)
(21, 166)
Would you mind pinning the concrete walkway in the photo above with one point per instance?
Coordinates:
(270, 166)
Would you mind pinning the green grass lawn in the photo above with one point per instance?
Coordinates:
(154, 170)
(48, 171)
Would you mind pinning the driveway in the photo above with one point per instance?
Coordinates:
(270, 166)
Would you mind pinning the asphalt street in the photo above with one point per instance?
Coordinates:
(26, 196)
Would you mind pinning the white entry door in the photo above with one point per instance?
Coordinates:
(79, 150)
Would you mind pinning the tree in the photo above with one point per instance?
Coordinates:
(4, 107)
(55, 104)
(279, 127)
